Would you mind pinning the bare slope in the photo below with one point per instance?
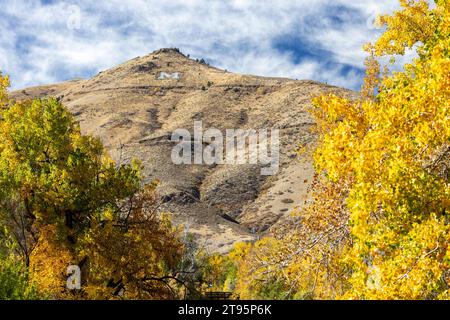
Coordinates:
(136, 106)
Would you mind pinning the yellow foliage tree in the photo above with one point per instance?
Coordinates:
(4, 84)
(378, 225)
(303, 262)
(393, 152)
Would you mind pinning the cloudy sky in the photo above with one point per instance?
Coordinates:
(46, 41)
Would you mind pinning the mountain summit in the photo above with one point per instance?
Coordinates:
(135, 107)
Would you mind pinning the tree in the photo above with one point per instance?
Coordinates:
(4, 84)
(50, 174)
(377, 226)
(65, 202)
(392, 151)
(134, 251)
(302, 260)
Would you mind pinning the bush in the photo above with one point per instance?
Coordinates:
(14, 281)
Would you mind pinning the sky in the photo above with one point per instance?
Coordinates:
(47, 41)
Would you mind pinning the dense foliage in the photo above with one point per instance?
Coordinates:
(378, 226)
(64, 202)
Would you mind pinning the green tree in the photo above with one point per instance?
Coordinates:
(65, 202)
(15, 282)
(50, 174)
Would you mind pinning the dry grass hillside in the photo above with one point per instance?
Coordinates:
(135, 107)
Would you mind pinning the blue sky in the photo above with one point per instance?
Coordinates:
(46, 41)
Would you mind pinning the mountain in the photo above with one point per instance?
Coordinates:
(135, 107)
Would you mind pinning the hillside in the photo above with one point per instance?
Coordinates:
(135, 107)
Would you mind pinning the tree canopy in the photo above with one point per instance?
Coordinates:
(378, 226)
(65, 202)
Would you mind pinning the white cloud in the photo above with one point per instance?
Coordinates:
(42, 43)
